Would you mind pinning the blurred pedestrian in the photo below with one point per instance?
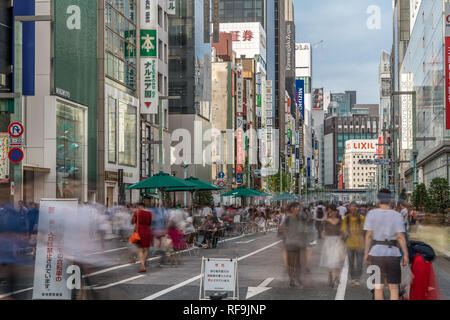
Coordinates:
(319, 216)
(294, 241)
(353, 232)
(178, 244)
(333, 250)
(385, 235)
(143, 221)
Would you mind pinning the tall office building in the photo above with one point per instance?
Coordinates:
(190, 78)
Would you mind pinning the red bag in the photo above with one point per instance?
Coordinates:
(135, 238)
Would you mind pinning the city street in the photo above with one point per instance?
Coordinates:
(260, 268)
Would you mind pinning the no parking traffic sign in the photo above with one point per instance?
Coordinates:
(15, 155)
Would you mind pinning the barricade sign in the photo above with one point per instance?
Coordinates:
(50, 272)
(219, 276)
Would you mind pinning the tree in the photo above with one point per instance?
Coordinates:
(439, 195)
(420, 196)
(273, 182)
(203, 198)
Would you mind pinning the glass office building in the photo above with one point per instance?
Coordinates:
(242, 11)
(190, 57)
(424, 63)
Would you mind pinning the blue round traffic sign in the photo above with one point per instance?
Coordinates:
(221, 175)
(15, 155)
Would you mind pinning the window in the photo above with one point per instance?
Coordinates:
(160, 17)
(70, 139)
(160, 50)
(127, 134)
(160, 83)
(112, 133)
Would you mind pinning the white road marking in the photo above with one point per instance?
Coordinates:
(112, 268)
(182, 284)
(112, 250)
(340, 294)
(262, 287)
(172, 288)
(246, 241)
(118, 282)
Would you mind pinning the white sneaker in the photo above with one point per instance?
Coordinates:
(313, 243)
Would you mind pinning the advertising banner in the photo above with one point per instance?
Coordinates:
(4, 161)
(148, 47)
(26, 8)
(240, 140)
(75, 43)
(406, 111)
(171, 7)
(50, 272)
(447, 65)
(239, 92)
(300, 93)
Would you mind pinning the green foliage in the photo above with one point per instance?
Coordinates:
(420, 196)
(203, 198)
(273, 182)
(439, 195)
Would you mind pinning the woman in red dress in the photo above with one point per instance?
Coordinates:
(143, 219)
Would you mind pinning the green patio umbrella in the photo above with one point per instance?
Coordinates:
(198, 185)
(285, 196)
(241, 192)
(160, 181)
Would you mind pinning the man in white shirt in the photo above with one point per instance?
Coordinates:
(342, 210)
(206, 211)
(384, 239)
(405, 215)
(219, 211)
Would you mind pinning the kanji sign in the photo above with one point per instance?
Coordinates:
(4, 162)
(15, 129)
(171, 7)
(149, 86)
(219, 275)
(148, 43)
(15, 155)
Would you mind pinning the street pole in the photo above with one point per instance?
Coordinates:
(18, 174)
(414, 128)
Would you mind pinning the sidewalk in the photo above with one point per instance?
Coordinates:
(436, 236)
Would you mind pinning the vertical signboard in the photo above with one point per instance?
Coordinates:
(148, 43)
(447, 65)
(239, 91)
(4, 161)
(216, 20)
(240, 141)
(52, 249)
(300, 93)
(406, 111)
(26, 8)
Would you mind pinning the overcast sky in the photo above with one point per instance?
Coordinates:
(349, 57)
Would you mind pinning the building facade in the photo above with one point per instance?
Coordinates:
(359, 173)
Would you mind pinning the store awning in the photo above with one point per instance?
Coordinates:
(36, 169)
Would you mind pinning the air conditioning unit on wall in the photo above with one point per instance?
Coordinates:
(2, 80)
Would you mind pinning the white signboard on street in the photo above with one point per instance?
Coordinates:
(50, 272)
(219, 275)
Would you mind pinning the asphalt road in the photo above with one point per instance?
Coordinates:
(261, 274)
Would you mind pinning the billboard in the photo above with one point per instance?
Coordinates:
(300, 94)
(318, 99)
(361, 146)
(26, 8)
(4, 161)
(406, 84)
(75, 65)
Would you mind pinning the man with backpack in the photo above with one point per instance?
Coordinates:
(352, 229)
(319, 216)
(384, 238)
